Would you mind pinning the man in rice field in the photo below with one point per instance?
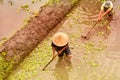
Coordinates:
(60, 45)
(106, 9)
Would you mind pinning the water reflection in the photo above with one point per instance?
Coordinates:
(62, 68)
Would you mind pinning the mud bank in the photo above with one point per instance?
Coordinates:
(25, 40)
(94, 59)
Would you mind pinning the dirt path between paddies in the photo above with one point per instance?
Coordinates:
(95, 59)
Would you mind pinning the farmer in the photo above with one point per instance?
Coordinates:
(106, 9)
(60, 45)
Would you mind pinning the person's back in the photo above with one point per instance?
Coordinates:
(107, 5)
(106, 9)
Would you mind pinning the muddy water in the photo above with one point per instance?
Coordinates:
(12, 16)
(109, 59)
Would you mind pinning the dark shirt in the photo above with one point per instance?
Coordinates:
(66, 51)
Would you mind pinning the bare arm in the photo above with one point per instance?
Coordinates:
(105, 13)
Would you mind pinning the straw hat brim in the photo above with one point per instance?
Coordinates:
(60, 39)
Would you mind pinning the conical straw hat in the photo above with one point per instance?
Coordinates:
(60, 39)
(107, 4)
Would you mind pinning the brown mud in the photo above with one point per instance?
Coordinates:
(95, 59)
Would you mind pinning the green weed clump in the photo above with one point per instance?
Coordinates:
(102, 0)
(92, 52)
(92, 48)
(3, 40)
(33, 64)
(34, 1)
(26, 21)
(30, 66)
(50, 2)
(74, 1)
(5, 67)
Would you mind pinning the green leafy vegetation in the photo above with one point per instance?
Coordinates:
(3, 40)
(91, 51)
(92, 48)
(34, 1)
(102, 0)
(35, 13)
(50, 2)
(34, 63)
(93, 64)
(5, 67)
(25, 6)
(101, 33)
(26, 21)
(3, 53)
(74, 1)
(108, 28)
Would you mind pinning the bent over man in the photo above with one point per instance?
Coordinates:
(106, 9)
(61, 46)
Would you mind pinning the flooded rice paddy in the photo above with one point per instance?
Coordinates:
(95, 59)
(13, 15)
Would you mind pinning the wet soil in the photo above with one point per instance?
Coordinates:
(95, 59)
